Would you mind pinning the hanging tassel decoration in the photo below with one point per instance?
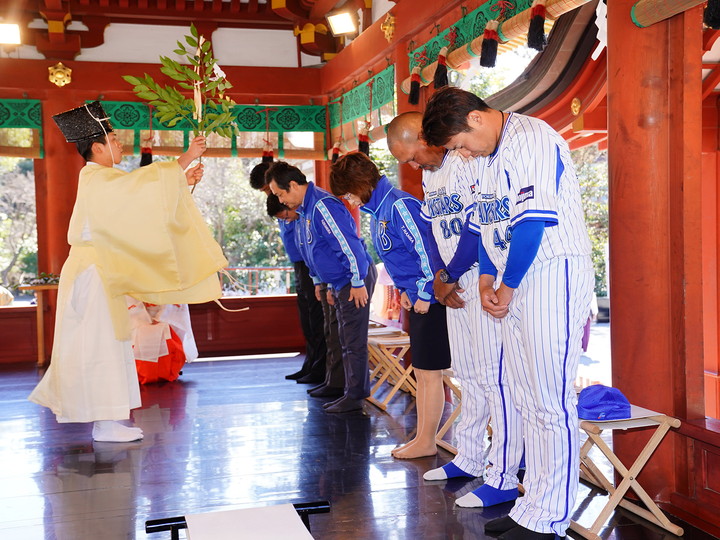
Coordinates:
(536, 34)
(364, 139)
(267, 153)
(145, 155)
(414, 96)
(488, 51)
(146, 150)
(711, 15)
(441, 72)
(336, 151)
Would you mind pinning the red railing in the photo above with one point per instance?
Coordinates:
(259, 280)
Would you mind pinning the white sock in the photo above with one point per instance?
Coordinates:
(449, 470)
(112, 431)
(435, 474)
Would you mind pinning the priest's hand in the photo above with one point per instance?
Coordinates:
(195, 150)
(194, 175)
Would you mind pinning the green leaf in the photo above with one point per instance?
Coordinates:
(180, 52)
(193, 30)
(185, 85)
(147, 95)
(173, 74)
(205, 46)
(168, 71)
(192, 42)
(132, 80)
(164, 94)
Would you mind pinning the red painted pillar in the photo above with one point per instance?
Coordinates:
(654, 142)
(710, 225)
(56, 179)
(58, 184)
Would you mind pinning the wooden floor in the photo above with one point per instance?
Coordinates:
(235, 434)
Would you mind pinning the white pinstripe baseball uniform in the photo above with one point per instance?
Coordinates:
(475, 338)
(530, 176)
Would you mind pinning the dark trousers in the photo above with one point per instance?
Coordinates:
(334, 371)
(353, 326)
(312, 322)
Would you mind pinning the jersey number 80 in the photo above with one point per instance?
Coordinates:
(454, 226)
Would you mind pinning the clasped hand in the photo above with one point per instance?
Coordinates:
(495, 301)
(448, 294)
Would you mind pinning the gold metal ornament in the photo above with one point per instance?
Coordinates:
(59, 74)
(388, 26)
(575, 106)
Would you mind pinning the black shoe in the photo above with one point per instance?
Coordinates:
(500, 525)
(318, 387)
(327, 391)
(345, 405)
(295, 376)
(334, 402)
(310, 379)
(521, 533)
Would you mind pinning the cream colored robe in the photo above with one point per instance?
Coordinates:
(137, 234)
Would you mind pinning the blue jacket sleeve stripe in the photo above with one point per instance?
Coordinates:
(419, 246)
(344, 246)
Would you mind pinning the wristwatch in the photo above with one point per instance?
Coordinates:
(445, 277)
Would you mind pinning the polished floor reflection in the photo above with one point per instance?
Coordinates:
(235, 434)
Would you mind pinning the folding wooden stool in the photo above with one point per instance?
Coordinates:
(374, 356)
(448, 379)
(589, 471)
(387, 353)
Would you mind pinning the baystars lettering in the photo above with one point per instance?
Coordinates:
(445, 205)
(493, 211)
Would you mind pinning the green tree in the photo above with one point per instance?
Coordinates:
(236, 213)
(18, 236)
(591, 168)
(386, 162)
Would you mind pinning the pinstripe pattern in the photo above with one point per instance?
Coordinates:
(531, 177)
(475, 339)
(547, 315)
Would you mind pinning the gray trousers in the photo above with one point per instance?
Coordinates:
(334, 372)
(353, 329)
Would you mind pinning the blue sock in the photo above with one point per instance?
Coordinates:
(485, 496)
(453, 471)
(449, 470)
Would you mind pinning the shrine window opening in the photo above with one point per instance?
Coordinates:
(234, 211)
(237, 217)
(18, 225)
(484, 82)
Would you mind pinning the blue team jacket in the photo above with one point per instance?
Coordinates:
(328, 240)
(400, 238)
(287, 234)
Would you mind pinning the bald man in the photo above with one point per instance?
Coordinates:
(475, 341)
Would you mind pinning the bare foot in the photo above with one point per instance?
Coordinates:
(403, 448)
(414, 450)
